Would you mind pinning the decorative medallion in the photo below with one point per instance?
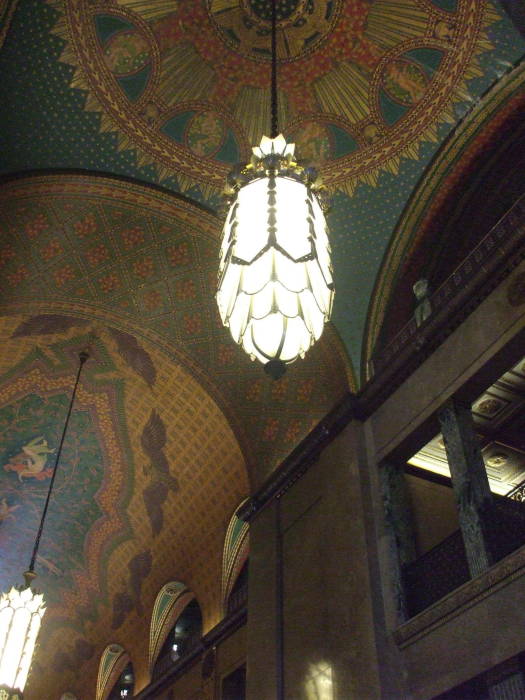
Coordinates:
(302, 25)
(183, 83)
(127, 52)
(205, 134)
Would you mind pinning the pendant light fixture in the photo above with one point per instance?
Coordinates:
(22, 609)
(275, 285)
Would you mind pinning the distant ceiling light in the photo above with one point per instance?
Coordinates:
(21, 609)
(275, 289)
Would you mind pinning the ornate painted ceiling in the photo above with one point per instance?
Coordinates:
(171, 423)
(120, 120)
(174, 92)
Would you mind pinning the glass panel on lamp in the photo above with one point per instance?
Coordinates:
(322, 294)
(322, 252)
(292, 225)
(32, 634)
(267, 335)
(21, 624)
(263, 302)
(287, 302)
(252, 219)
(239, 317)
(258, 274)
(297, 342)
(226, 243)
(292, 275)
(229, 290)
(6, 615)
(313, 318)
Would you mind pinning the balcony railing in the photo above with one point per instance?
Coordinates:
(503, 242)
(444, 568)
(435, 574)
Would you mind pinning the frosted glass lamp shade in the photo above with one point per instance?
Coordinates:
(275, 287)
(21, 613)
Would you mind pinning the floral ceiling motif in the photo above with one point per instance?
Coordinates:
(144, 261)
(137, 454)
(172, 419)
(187, 84)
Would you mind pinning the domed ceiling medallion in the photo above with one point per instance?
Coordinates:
(302, 25)
(378, 78)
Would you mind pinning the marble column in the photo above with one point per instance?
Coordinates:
(400, 533)
(469, 481)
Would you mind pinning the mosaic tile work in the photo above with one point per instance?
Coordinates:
(132, 59)
(136, 499)
(103, 249)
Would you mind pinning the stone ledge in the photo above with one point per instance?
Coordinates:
(464, 597)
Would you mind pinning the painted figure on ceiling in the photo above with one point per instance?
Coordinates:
(6, 511)
(31, 461)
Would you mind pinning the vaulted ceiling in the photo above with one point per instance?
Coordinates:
(120, 121)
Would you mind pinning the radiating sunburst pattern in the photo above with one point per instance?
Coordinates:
(385, 74)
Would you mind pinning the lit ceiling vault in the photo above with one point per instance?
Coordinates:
(120, 121)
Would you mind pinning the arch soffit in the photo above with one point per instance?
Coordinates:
(169, 604)
(235, 553)
(113, 661)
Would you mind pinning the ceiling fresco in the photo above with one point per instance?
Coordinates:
(175, 92)
(120, 120)
(146, 486)
(187, 84)
(171, 422)
(113, 252)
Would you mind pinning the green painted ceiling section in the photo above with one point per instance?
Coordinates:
(44, 125)
(31, 423)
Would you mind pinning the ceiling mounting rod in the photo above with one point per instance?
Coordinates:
(83, 356)
(275, 127)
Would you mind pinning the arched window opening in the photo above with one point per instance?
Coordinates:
(123, 688)
(239, 593)
(183, 636)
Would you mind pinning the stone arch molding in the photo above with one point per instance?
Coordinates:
(171, 600)
(235, 553)
(113, 661)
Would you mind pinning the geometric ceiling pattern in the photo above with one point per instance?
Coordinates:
(149, 476)
(120, 120)
(187, 84)
(104, 251)
(174, 93)
(171, 424)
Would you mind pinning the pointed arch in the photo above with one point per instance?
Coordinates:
(235, 554)
(113, 661)
(171, 600)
